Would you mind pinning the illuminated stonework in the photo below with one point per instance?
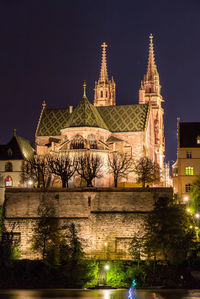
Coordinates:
(135, 129)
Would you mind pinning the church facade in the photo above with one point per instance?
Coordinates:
(105, 127)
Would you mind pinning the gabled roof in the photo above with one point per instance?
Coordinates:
(112, 139)
(18, 148)
(85, 115)
(52, 121)
(126, 118)
(189, 131)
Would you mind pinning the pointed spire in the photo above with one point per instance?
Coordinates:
(84, 89)
(15, 133)
(151, 69)
(44, 104)
(104, 72)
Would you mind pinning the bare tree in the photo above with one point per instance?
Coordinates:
(89, 167)
(147, 171)
(62, 166)
(37, 171)
(120, 165)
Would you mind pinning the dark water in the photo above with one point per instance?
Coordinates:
(99, 294)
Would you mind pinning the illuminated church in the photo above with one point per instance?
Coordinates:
(103, 127)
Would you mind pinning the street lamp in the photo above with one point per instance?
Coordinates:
(106, 267)
(186, 198)
(30, 183)
(197, 215)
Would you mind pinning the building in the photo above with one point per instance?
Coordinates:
(105, 127)
(12, 156)
(187, 167)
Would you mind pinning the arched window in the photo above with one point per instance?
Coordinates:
(92, 141)
(8, 167)
(101, 93)
(77, 142)
(8, 181)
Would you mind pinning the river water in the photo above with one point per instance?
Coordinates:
(99, 294)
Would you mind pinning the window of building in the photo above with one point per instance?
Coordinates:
(187, 187)
(92, 141)
(10, 152)
(189, 170)
(8, 181)
(77, 142)
(188, 155)
(101, 94)
(198, 139)
(106, 94)
(8, 166)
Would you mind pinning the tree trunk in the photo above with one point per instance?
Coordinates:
(63, 183)
(115, 181)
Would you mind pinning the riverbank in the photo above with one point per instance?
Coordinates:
(35, 274)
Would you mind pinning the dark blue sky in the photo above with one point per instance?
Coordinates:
(48, 47)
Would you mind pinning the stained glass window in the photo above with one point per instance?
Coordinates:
(8, 181)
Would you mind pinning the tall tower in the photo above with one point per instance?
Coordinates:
(104, 91)
(150, 93)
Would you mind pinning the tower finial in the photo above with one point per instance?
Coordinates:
(151, 69)
(84, 89)
(103, 73)
(44, 104)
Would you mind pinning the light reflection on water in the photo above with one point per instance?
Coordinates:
(98, 294)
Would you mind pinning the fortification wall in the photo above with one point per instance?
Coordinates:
(106, 219)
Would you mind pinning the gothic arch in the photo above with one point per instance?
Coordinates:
(77, 142)
(92, 141)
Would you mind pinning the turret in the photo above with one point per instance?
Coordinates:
(104, 91)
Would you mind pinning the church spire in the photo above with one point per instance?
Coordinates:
(151, 82)
(104, 72)
(151, 69)
(104, 91)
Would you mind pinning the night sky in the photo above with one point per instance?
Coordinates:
(48, 47)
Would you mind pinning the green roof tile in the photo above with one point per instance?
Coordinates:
(85, 115)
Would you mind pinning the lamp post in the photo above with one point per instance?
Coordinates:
(106, 267)
(30, 183)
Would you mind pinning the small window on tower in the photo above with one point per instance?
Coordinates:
(101, 94)
(106, 94)
(198, 139)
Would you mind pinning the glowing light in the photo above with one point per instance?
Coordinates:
(197, 215)
(106, 267)
(196, 227)
(106, 294)
(186, 198)
(105, 244)
(188, 210)
(30, 183)
(191, 226)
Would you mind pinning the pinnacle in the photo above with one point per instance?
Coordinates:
(151, 69)
(103, 72)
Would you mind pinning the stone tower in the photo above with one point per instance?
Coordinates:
(150, 93)
(104, 91)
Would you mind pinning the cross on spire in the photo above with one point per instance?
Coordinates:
(103, 73)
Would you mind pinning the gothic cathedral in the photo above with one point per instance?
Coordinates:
(105, 127)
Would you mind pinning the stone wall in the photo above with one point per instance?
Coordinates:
(106, 219)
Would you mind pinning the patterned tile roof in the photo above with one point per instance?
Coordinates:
(126, 118)
(85, 115)
(52, 121)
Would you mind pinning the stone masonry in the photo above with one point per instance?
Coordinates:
(106, 219)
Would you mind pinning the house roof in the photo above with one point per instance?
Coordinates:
(85, 115)
(124, 118)
(18, 148)
(188, 133)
